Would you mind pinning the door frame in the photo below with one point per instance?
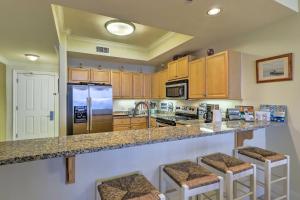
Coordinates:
(56, 99)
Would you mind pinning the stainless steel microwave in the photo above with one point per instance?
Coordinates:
(177, 89)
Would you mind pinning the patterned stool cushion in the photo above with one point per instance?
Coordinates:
(190, 174)
(261, 154)
(226, 163)
(133, 187)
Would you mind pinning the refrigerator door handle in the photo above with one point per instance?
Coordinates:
(91, 114)
(88, 114)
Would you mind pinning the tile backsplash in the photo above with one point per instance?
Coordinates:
(125, 105)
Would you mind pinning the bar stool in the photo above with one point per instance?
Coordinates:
(131, 186)
(267, 160)
(232, 170)
(190, 179)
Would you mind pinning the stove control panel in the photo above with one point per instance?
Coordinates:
(191, 110)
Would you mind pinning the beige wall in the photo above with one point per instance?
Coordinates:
(275, 39)
(2, 103)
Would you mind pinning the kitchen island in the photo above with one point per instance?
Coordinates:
(108, 154)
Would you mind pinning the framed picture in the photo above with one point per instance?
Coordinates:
(277, 68)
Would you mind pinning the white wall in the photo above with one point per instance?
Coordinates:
(275, 39)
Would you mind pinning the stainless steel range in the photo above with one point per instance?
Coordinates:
(181, 113)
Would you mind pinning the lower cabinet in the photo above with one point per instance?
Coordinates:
(127, 123)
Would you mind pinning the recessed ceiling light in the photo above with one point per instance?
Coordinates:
(214, 11)
(32, 57)
(119, 28)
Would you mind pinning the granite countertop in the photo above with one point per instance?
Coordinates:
(29, 150)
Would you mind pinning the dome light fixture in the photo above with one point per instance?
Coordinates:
(214, 11)
(32, 57)
(120, 28)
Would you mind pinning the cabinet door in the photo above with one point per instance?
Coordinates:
(183, 68)
(163, 80)
(138, 85)
(147, 86)
(197, 78)
(126, 84)
(116, 83)
(77, 75)
(155, 85)
(100, 76)
(172, 70)
(217, 75)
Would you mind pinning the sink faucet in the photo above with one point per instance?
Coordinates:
(148, 111)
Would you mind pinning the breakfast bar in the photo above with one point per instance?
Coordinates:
(108, 154)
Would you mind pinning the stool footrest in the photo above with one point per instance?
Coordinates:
(282, 197)
(243, 196)
(278, 180)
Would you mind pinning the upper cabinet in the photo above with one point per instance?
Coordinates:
(159, 80)
(100, 76)
(223, 75)
(78, 75)
(116, 83)
(178, 69)
(147, 85)
(197, 86)
(138, 83)
(126, 84)
(87, 75)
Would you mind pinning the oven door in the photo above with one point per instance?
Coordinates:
(177, 90)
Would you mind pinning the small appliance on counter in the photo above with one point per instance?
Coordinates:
(181, 113)
(277, 112)
(208, 115)
(246, 113)
(233, 114)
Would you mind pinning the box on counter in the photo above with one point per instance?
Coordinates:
(277, 112)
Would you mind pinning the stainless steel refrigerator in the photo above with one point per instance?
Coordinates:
(89, 108)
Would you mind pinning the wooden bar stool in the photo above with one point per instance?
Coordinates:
(232, 170)
(131, 186)
(190, 179)
(265, 161)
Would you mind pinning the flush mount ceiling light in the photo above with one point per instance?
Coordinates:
(119, 28)
(32, 57)
(214, 11)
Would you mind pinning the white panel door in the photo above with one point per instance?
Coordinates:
(35, 101)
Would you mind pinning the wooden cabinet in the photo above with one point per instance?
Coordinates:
(197, 79)
(153, 123)
(138, 123)
(127, 123)
(163, 80)
(223, 75)
(172, 70)
(183, 67)
(78, 75)
(100, 76)
(138, 85)
(147, 85)
(155, 86)
(121, 123)
(126, 84)
(159, 80)
(178, 69)
(116, 84)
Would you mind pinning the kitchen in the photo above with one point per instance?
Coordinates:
(202, 98)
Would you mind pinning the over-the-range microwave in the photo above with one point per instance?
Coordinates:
(177, 89)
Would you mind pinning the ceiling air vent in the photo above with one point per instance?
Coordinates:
(102, 50)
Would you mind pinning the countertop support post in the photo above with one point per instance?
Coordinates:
(240, 137)
(70, 170)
